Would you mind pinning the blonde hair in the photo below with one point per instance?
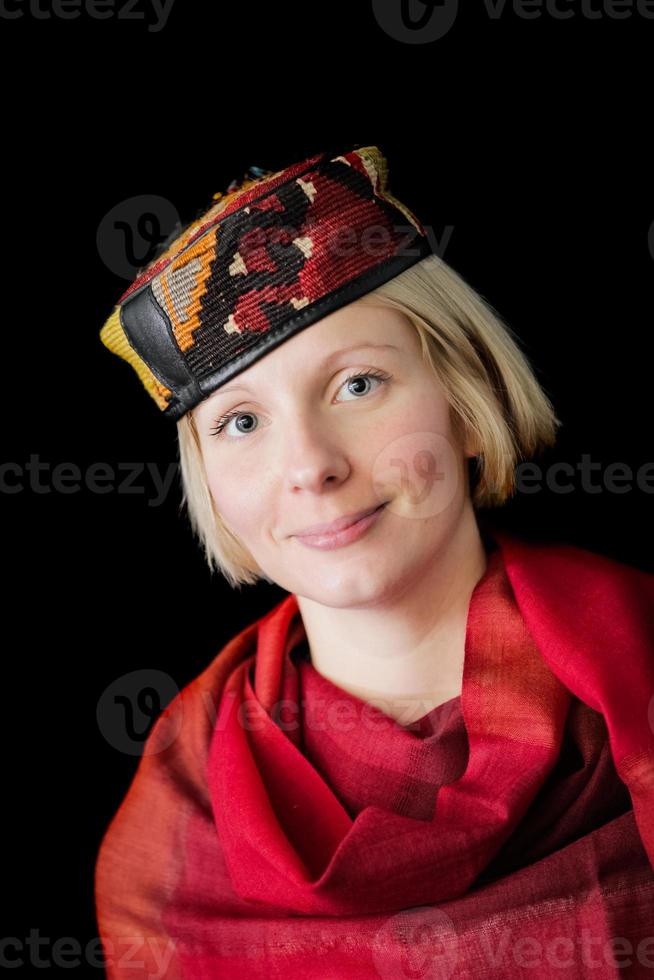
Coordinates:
(496, 403)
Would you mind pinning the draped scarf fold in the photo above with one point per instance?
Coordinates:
(280, 826)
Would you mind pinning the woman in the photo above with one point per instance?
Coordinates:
(423, 761)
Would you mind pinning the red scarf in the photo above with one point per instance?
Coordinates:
(279, 826)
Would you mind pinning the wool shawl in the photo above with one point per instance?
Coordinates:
(279, 826)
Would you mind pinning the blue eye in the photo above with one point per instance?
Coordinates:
(224, 419)
(381, 376)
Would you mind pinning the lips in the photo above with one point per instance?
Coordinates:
(337, 525)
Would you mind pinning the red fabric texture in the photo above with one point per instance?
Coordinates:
(278, 826)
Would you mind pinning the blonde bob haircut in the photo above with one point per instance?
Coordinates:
(495, 401)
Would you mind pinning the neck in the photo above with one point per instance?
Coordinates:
(407, 652)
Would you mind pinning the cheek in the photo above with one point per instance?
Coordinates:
(414, 424)
(416, 461)
(224, 492)
(241, 503)
(430, 410)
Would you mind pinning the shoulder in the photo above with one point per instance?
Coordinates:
(579, 566)
(169, 783)
(573, 598)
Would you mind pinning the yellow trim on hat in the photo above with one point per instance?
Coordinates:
(377, 166)
(115, 339)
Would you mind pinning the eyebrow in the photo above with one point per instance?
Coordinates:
(325, 363)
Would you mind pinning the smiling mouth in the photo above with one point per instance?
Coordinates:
(328, 540)
(342, 524)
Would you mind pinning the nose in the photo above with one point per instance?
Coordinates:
(312, 456)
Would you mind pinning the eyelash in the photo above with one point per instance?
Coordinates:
(221, 422)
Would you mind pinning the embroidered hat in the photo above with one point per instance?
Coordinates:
(273, 255)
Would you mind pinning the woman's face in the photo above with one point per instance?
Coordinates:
(312, 441)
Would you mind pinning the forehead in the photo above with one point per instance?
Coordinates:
(346, 331)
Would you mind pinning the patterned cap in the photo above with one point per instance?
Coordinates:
(269, 258)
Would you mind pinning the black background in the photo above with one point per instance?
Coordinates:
(529, 137)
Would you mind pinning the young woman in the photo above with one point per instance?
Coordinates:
(423, 761)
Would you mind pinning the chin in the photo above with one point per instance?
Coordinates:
(343, 588)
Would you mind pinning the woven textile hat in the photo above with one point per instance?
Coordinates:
(270, 257)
